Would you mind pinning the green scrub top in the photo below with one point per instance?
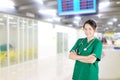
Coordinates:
(87, 71)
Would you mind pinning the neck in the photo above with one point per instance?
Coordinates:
(90, 38)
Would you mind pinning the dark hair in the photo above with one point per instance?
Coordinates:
(91, 22)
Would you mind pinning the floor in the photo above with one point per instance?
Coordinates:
(54, 68)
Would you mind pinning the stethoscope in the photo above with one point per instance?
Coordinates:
(85, 49)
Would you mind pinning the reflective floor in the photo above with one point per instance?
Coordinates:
(54, 68)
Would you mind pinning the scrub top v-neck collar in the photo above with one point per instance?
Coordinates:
(90, 40)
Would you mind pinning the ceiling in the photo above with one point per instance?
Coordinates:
(108, 18)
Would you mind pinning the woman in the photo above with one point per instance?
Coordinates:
(87, 53)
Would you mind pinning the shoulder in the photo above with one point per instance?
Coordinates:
(98, 41)
(81, 39)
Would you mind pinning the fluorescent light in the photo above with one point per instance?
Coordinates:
(57, 19)
(49, 20)
(106, 28)
(77, 18)
(40, 1)
(118, 25)
(110, 23)
(48, 12)
(99, 15)
(115, 19)
(118, 2)
(104, 4)
(7, 4)
(76, 22)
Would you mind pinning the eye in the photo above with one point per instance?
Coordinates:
(85, 29)
(90, 29)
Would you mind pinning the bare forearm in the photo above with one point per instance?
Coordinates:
(73, 56)
(88, 59)
(85, 59)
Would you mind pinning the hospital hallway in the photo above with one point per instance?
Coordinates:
(54, 68)
(37, 35)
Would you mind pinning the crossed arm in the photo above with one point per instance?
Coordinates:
(86, 59)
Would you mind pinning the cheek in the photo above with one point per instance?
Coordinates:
(92, 33)
(86, 33)
(89, 33)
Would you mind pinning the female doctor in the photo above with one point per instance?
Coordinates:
(87, 53)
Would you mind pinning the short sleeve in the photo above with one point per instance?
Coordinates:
(98, 50)
(74, 48)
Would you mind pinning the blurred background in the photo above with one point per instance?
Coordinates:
(35, 38)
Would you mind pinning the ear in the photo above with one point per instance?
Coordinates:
(95, 30)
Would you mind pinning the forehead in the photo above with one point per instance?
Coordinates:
(88, 26)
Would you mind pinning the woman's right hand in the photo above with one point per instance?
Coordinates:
(73, 55)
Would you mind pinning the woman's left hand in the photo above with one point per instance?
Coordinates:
(91, 58)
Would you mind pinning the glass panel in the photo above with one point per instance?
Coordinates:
(25, 39)
(3, 41)
(35, 40)
(62, 42)
(13, 40)
(22, 40)
(59, 42)
(30, 42)
(65, 42)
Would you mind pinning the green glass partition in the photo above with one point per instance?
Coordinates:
(18, 40)
(3, 41)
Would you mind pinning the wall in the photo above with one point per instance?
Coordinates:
(47, 39)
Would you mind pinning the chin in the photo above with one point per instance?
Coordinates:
(89, 36)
